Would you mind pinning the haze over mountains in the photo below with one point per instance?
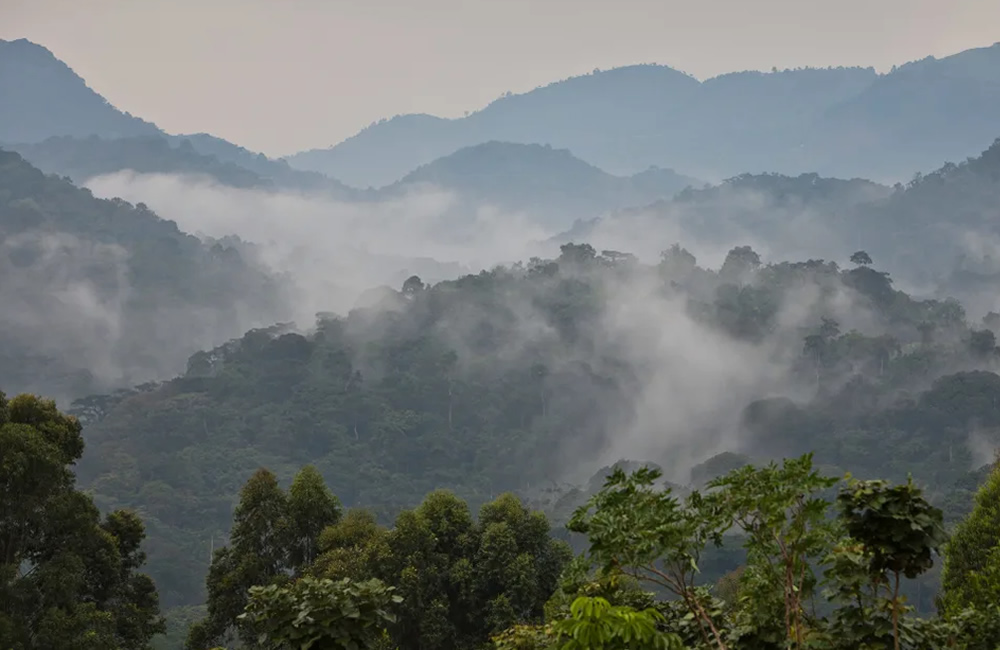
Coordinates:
(495, 187)
(838, 122)
(845, 122)
(628, 264)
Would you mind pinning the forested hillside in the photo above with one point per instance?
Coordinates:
(101, 293)
(528, 377)
(937, 233)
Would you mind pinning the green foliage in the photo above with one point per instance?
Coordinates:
(880, 534)
(460, 580)
(898, 527)
(972, 558)
(68, 579)
(321, 613)
(596, 624)
(273, 534)
(507, 363)
(651, 535)
(785, 529)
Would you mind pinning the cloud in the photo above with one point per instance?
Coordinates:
(333, 250)
(62, 299)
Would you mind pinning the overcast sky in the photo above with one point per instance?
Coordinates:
(281, 76)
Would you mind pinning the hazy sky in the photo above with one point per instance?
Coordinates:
(280, 76)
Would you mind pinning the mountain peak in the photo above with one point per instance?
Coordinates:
(41, 96)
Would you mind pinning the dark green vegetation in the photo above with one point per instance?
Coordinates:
(68, 578)
(836, 121)
(585, 357)
(455, 580)
(101, 294)
(815, 576)
(299, 572)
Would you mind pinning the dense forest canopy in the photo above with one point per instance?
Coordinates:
(547, 371)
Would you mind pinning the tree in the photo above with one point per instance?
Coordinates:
(972, 558)
(67, 579)
(740, 263)
(413, 285)
(461, 581)
(311, 509)
(595, 624)
(650, 535)
(899, 532)
(321, 613)
(785, 531)
(982, 343)
(861, 258)
(274, 535)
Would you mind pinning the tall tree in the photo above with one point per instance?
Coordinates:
(972, 559)
(67, 579)
(311, 508)
(275, 536)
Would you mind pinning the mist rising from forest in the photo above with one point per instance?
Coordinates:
(333, 251)
(691, 381)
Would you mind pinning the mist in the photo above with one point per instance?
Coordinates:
(690, 382)
(333, 251)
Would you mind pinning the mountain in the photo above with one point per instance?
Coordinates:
(83, 158)
(279, 172)
(838, 122)
(100, 294)
(914, 117)
(805, 216)
(551, 184)
(939, 233)
(40, 96)
(50, 115)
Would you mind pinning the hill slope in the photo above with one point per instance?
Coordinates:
(939, 232)
(83, 158)
(100, 294)
(40, 96)
(551, 184)
(839, 122)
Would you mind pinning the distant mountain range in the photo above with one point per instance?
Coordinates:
(552, 185)
(844, 122)
(837, 122)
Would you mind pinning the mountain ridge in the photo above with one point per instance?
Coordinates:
(386, 150)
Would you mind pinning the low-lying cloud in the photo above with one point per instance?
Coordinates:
(334, 250)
